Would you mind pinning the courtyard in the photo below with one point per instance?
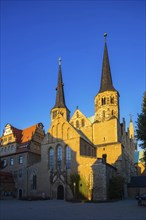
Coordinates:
(62, 210)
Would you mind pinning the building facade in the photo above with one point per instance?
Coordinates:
(79, 154)
(19, 150)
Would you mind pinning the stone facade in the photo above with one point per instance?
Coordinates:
(19, 150)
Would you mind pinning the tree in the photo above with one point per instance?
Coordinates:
(141, 127)
(116, 188)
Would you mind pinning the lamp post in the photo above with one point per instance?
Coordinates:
(74, 184)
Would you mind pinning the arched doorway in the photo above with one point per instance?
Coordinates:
(60, 192)
(20, 193)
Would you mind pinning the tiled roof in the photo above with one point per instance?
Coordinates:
(27, 133)
(17, 133)
(106, 78)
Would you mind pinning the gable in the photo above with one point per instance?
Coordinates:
(61, 129)
(79, 120)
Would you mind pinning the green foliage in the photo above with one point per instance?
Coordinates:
(74, 184)
(79, 186)
(141, 126)
(116, 187)
(84, 188)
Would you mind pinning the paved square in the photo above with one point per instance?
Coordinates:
(61, 210)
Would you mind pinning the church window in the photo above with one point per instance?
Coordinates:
(59, 157)
(103, 101)
(54, 114)
(77, 124)
(77, 114)
(68, 157)
(83, 122)
(51, 158)
(112, 100)
(112, 112)
(34, 182)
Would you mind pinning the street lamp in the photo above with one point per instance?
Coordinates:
(74, 184)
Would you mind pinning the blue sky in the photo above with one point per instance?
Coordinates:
(34, 34)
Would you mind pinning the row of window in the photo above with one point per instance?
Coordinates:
(78, 123)
(105, 101)
(60, 158)
(11, 161)
(6, 139)
(5, 149)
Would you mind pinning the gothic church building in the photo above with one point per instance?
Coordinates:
(80, 155)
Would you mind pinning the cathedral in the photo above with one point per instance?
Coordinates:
(79, 155)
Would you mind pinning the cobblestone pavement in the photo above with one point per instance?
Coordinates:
(61, 210)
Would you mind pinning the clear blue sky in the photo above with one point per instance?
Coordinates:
(34, 34)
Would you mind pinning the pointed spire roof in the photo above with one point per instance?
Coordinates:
(60, 99)
(106, 78)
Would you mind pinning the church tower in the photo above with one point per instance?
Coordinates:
(60, 106)
(107, 100)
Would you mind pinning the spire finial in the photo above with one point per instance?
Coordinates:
(130, 117)
(105, 35)
(59, 61)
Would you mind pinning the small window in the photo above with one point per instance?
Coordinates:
(112, 100)
(11, 161)
(77, 124)
(54, 114)
(4, 163)
(83, 122)
(103, 101)
(34, 184)
(20, 160)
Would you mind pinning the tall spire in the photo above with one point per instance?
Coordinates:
(60, 100)
(106, 78)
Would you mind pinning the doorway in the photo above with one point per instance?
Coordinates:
(60, 192)
(20, 193)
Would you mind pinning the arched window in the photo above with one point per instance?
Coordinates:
(112, 100)
(103, 101)
(59, 157)
(51, 159)
(68, 157)
(77, 124)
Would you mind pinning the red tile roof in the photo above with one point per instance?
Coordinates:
(27, 133)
